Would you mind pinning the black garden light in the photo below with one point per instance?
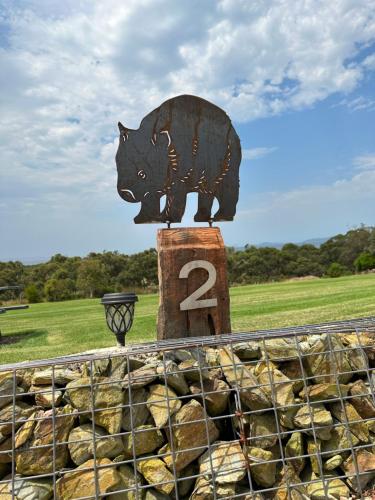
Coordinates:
(119, 313)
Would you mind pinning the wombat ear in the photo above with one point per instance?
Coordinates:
(121, 128)
(124, 132)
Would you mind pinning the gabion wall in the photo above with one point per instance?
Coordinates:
(286, 414)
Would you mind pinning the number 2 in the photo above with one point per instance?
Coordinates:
(192, 301)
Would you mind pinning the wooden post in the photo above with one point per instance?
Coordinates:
(193, 284)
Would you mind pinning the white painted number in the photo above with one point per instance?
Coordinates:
(192, 301)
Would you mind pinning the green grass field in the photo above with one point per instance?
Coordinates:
(53, 329)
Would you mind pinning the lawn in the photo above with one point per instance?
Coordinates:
(53, 329)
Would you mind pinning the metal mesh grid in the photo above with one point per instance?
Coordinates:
(287, 413)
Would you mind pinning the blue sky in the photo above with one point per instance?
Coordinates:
(297, 79)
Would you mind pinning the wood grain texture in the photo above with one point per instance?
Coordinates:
(177, 247)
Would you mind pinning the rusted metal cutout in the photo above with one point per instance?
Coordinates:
(186, 145)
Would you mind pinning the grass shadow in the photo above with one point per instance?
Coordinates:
(30, 334)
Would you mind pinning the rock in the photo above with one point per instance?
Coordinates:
(294, 450)
(128, 481)
(185, 483)
(6, 451)
(9, 374)
(139, 411)
(204, 490)
(24, 377)
(31, 460)
(119, 366)
(321, 392)
(349, 414)
(107, 446)
(6, 390)
(216, 394)
(193, 370)
(27, 429)
(212, 357)
(286, 416)
(292, 370)
(262, 469)
(225, 460)
(238, 376)
(314, 415)
(284, 491)
(339, 440)
(164, 450)
(361, 349)
(146, 440)
(151, 494)
(187, 433)
(245, 495)
(171, 375)
(362, 400)
(97, 368)
(61, 376)
(161, 403)
(358, 360)
(332, 487)
(279, 349)
(44, 396)
(180, 355)
(28, 489)
(247, 350)
(140, 377)
(277, 385)
(263, 430)
(326, 358)
(21, 413)
(106, 394)
(314, 451)
(156, 474)
(82, 483)
(333, 462)
(366, 463)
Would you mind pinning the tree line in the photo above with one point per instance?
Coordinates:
(63, 278)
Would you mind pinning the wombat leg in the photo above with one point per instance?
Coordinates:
(227, 197)
(150, 210)
(204, 207)
(174, 206)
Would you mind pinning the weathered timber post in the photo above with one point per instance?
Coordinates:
(193, 283)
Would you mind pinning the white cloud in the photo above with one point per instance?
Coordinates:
(256, 153)
(365, 162)
(70, 70)
(358, 103)
(308, 212)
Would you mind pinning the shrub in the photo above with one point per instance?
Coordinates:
(364, 262)
(336, 270)
(32, 294)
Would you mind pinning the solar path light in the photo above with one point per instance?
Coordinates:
(119, 313)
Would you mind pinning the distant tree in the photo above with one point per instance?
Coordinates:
(335, 270)
(92, 280)
(59, 289)
(32, 294)
(365, 261)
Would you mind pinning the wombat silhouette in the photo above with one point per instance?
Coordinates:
(185, 145)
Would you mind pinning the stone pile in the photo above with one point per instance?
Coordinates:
(269, 418)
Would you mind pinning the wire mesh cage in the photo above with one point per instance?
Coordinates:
(283, 414)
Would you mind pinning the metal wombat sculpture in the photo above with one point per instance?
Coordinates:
(186, 145)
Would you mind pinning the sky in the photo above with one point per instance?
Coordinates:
(296, 78)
